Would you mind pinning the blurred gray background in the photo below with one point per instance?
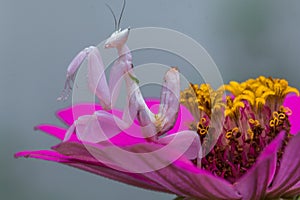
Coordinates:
(39, 38)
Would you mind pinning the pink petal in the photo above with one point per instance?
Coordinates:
(180, 177)
(292, 192)
(127, 178)
(96, 168)
(153, 104)
(127, 159)
(125, 139)
(184, 179)
(44, 155)
(55, 131)
(293, 102)
(254, 183)
(288, 174)
(70, 114)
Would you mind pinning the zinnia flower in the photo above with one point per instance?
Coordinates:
(253, 154)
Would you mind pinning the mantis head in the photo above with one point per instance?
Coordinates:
(117, 38)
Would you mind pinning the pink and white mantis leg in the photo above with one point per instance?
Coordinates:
(71, 72)
(155, 125)
(98, 85)
(96, 77)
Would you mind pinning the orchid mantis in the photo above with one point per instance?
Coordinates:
(103, 125)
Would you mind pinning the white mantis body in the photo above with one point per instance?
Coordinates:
(102, 125)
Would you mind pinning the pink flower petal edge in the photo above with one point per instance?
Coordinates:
(293, 102)
(93, 166)
(288, 174)
(55, 131)
(254, 184)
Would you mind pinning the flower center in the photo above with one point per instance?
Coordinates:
(254, 116)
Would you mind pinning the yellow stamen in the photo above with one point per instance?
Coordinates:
(228, 134)
(254, 122)
(232, 133)
(250, 133)
(258, 92)
(204, 97)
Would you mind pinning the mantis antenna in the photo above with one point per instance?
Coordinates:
(112, 12)
(123, 7)
(117, 25)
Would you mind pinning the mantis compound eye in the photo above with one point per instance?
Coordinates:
(117, 39)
